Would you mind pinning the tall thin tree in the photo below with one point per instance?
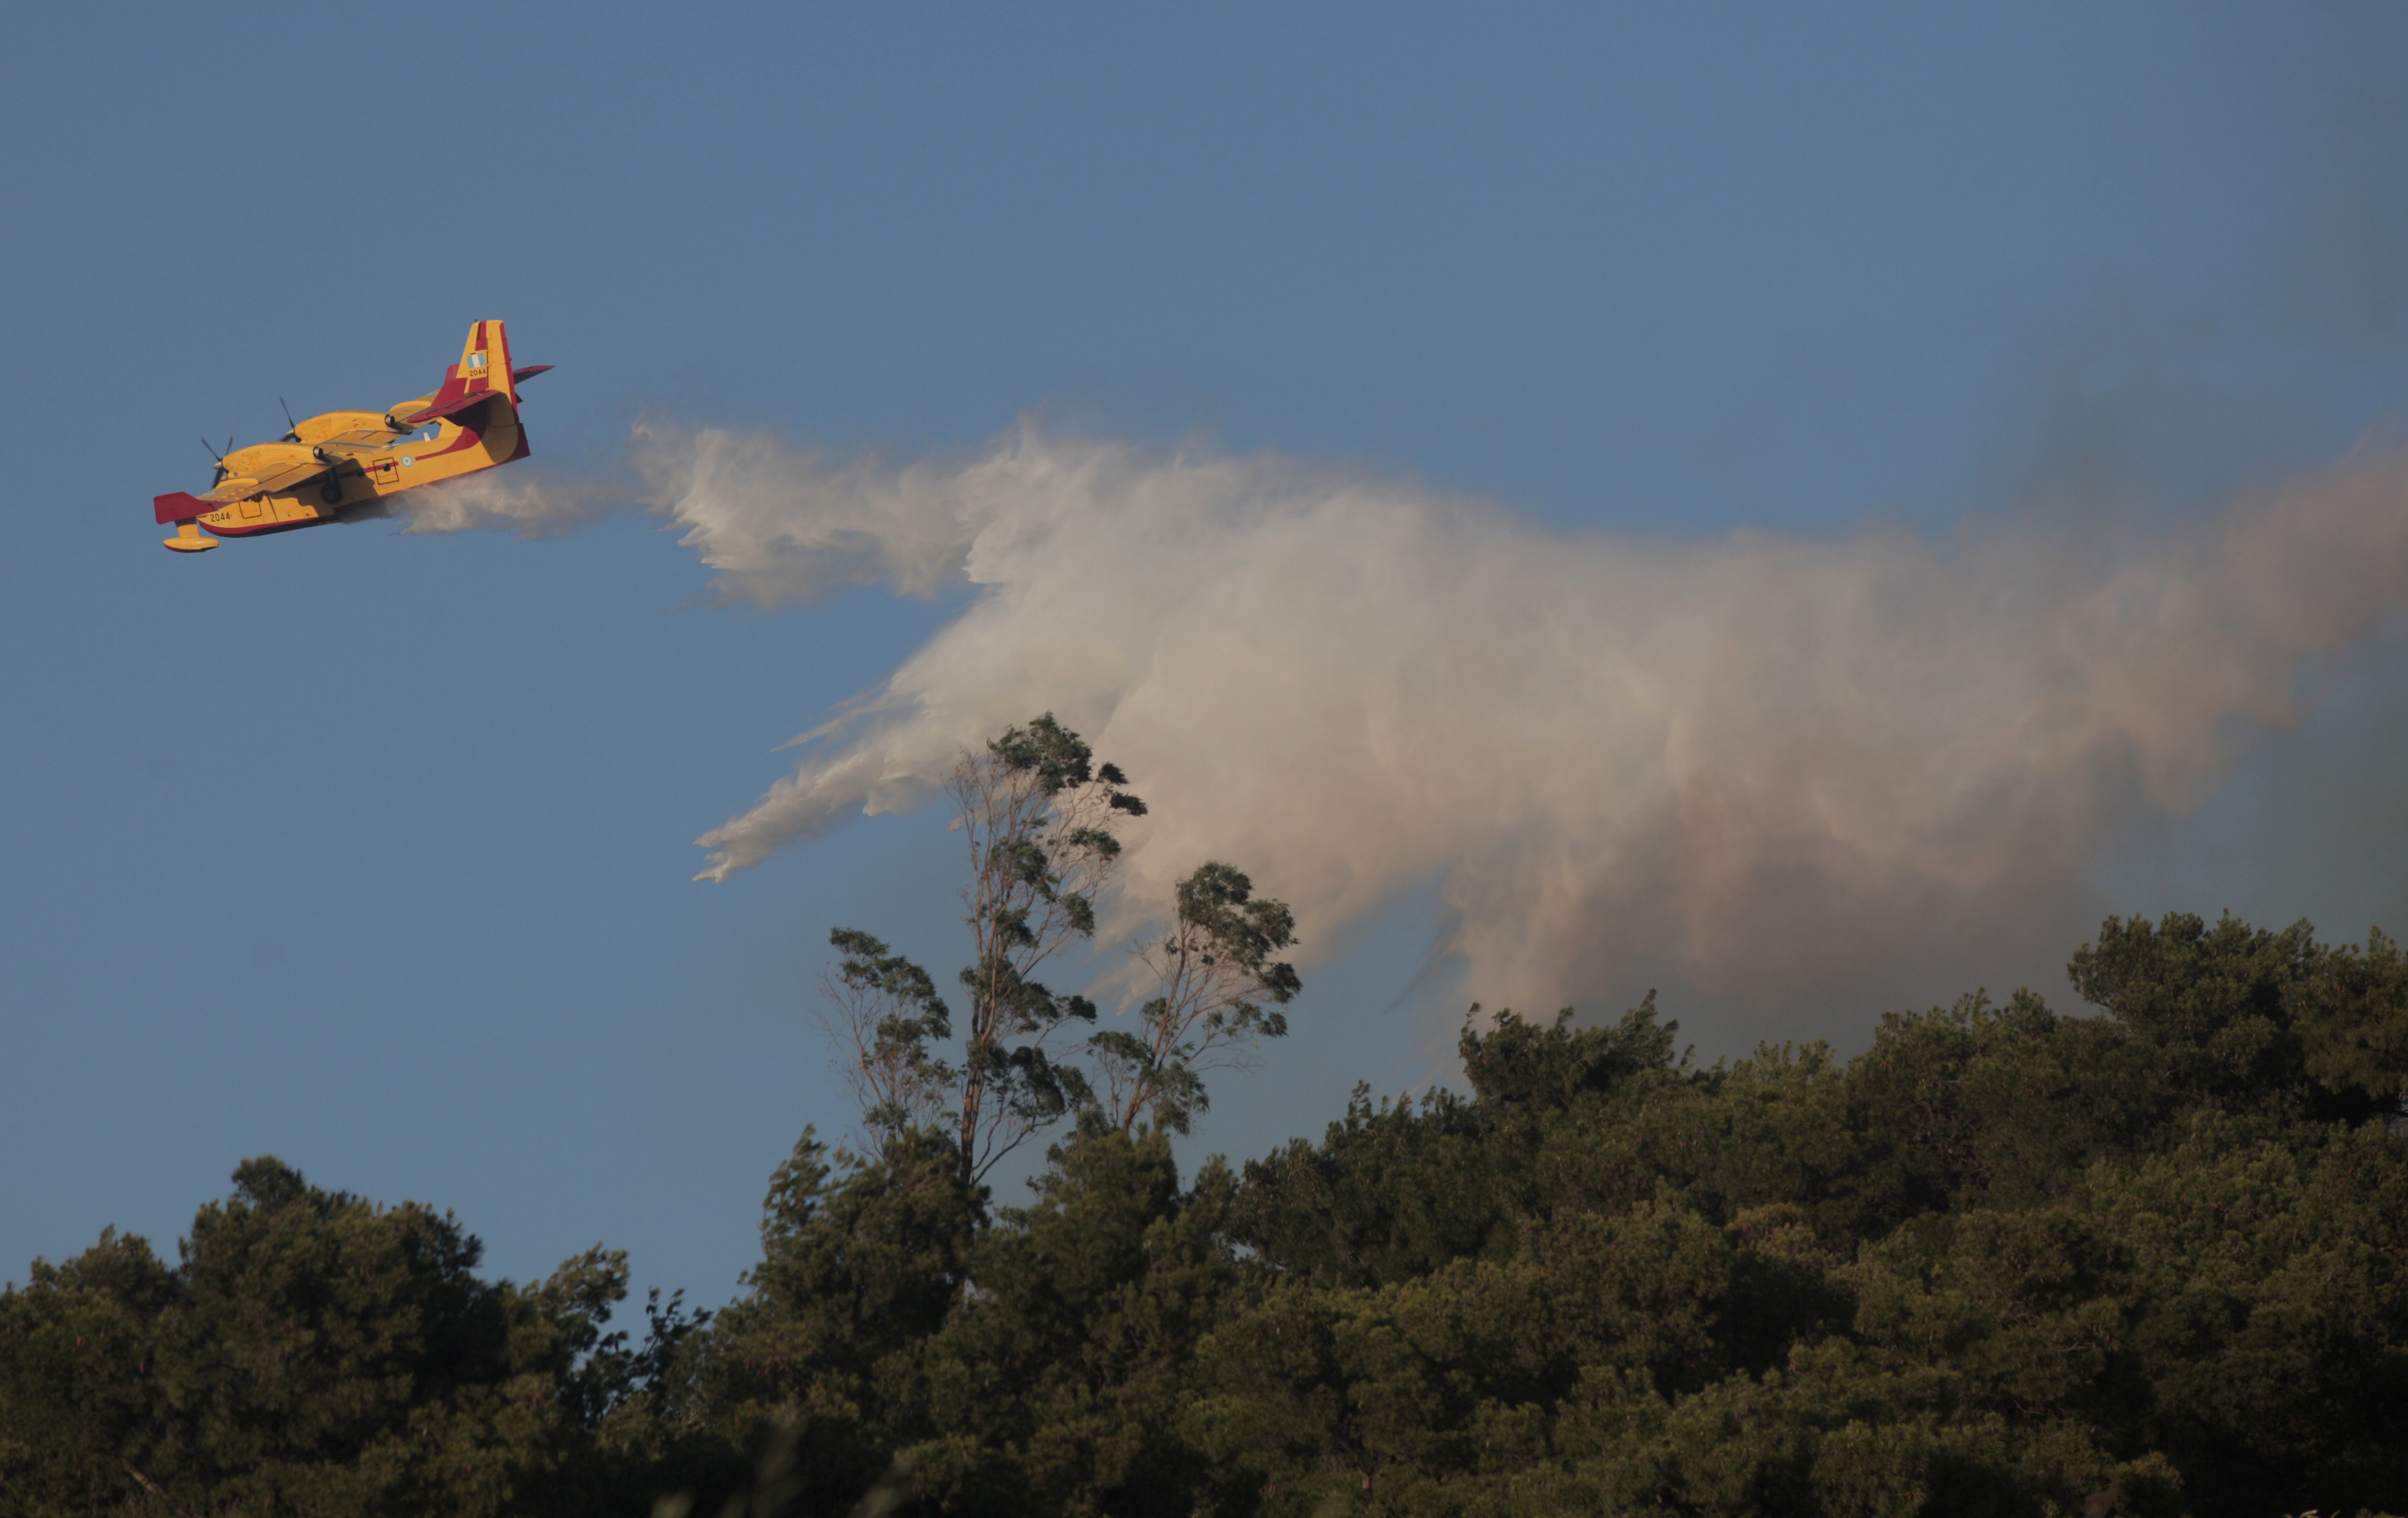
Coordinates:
(1040, 817)
(1215, 972)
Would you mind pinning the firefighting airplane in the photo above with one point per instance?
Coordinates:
(331, 464)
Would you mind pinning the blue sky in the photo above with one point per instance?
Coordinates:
(373, 850)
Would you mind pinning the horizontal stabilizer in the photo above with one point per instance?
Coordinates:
(527, 373)
(444, 406)
(180, 505)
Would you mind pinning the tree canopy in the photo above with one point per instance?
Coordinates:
(310, 1352)
(2008, 1260)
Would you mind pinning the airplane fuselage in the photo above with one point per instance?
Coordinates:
(375, 464)
(340, 461)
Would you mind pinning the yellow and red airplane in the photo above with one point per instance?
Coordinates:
(332, 463)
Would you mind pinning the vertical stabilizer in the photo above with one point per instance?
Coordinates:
(484, 366)
(483, 371)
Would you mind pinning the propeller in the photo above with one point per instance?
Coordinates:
(218, 458)
(292, 428)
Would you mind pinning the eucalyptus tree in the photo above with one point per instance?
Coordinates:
(1214, 971)
(1040, 818)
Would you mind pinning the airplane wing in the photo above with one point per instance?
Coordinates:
(353, 444)
(267, 482)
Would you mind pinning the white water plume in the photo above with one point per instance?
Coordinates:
(1750, 762)
(495, 500)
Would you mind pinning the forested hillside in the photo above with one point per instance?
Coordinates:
(2145, 1259)
(2003, 1261)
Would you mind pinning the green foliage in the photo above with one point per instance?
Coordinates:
(1057, 1387)
(1040, 817)
(1518, 1063)
(77, 1350)
(886, 1015)
(2352, 1013)
(2004, 1262)
(1215, 972)
(1038, 1365)
(1978, 1103)
(313, 1353)
(2238, 1014)
(861, 1261)
(2211, 1002)
(1391, 1192)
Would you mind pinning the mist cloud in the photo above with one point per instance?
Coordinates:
(529, 505)
(1750, 761)
(1754, 764)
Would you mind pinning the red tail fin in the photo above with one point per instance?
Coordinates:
(484, 372)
